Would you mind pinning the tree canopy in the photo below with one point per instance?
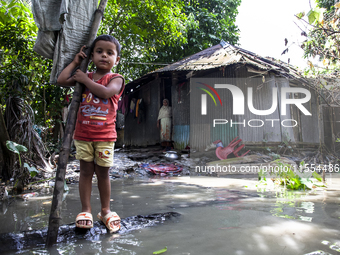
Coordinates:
(156, 32)
(321, 30)
(141, 26)
(23, 72)
(152, 32)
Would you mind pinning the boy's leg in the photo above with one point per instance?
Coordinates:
(104, 159)
(85, 187)
(104, 186)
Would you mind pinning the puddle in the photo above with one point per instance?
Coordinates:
(216, 217)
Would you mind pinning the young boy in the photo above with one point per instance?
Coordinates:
(95, 131)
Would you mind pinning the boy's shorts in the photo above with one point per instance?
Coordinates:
(99, 152)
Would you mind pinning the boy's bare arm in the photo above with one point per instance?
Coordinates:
(65, 78)
(113, 88)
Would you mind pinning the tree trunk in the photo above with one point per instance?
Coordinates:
(6, 157)
(65, 149)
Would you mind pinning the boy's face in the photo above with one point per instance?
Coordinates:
(104, 55)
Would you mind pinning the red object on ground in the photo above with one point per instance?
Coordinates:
(163, 168)
(223, 152)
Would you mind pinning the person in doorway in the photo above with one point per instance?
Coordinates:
(164, 123)
(95, 132)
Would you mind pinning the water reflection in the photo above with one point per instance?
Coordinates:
(213, 221)
(332, 246)
(293, 210)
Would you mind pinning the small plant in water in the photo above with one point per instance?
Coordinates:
(294, 179)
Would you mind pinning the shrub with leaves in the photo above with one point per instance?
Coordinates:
(294, 179)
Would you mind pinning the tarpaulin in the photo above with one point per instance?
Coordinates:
(64, 27)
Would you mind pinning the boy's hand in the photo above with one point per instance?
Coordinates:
(80, 56)
(80, 76)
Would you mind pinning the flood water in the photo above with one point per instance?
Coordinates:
(218, 216)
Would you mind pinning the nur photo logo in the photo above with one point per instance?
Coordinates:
(239, 99)
(246, 102)
(204, 97)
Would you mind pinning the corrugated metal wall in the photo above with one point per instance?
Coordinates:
(259, 128)
(311, 128)
(146, 132)
(202, 132)
(331, 121)
(190, 127)
(250, 127)
(180, 113)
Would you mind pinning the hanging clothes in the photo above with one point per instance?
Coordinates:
(125, 104)
(64, 27)
(137, 108)
(141, 112)
(132, 105)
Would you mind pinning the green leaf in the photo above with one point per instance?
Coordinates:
(66, 188)
(317, 176)
(16, 148)
(315, 15)
(160, 251)
(308, 183)
(300, 15)
(33, 171)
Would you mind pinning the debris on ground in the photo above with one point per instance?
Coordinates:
(153, 161)
(224, 152)
(163, 169)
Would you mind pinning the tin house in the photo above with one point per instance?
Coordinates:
(221, 93)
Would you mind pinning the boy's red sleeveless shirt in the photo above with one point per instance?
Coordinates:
(96, 120)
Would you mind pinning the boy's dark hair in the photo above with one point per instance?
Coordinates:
(108, 38)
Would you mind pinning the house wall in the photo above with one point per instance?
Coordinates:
(146, 132)
(202, 132)
(180, 113)
(331, 122)
(251, 128)
(260, 128)
(311, 126)
(197, 131)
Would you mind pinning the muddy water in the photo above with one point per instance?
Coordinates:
(218, 216)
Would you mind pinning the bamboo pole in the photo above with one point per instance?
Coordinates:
(54, 219)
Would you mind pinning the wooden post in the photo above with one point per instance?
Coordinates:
(54, 219)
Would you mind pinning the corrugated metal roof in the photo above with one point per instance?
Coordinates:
(225, 54)
(212, 57)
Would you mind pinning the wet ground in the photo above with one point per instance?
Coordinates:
(228, 215)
